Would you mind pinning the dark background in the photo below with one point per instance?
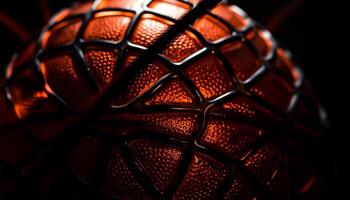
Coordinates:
(313, 31)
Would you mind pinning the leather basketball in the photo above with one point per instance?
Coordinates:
(217, 110)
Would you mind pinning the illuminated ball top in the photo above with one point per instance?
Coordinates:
(202, 104)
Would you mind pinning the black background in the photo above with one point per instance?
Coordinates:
(314, 32)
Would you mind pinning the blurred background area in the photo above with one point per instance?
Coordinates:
(306, 28)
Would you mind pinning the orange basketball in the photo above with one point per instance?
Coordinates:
(202, 104)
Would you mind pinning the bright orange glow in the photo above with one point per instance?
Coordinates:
(149, 29)
(108, 26)
(233, 15)
(23, 107)
(113, 13)
(286, 64)
(150, 16)
(211, 28)
(119, 4)
(172, 9)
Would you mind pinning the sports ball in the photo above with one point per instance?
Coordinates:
(158, 99)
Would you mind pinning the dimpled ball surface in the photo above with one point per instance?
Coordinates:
(222, 112)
